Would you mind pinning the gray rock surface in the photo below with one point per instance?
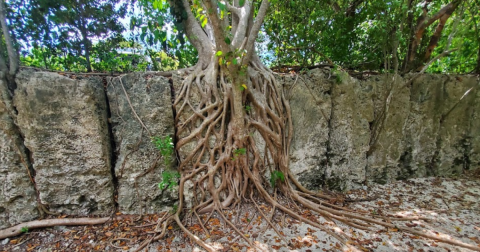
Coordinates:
(455, 135)
(17, 194)
(381, 129)
(64, 123)
(386, 156)
(310, 100)
(139, 165)
(349, 134)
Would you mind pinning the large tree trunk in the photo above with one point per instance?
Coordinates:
(85, 42)
(12, 54)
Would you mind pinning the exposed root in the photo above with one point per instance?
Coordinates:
(233, 133)
(17, 230)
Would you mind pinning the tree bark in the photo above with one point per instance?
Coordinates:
(3, 62)
(423, 23)
(477, 69)
(12, 54)
(438, 31)
(86, 47)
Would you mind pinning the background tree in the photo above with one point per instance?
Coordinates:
(159, 33)
(68, 27)
(374, 35)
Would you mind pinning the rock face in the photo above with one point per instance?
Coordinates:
(139, 165)
(64, 123)
(17, 194)
(391, 100)
(351, 132)
(310, 101)
(82, 144)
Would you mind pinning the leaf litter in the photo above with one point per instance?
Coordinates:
(444, 207)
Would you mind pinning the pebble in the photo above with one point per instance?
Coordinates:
(6, 241)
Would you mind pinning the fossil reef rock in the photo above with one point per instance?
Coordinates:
(86, 142)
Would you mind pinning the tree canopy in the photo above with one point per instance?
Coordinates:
(354, 34)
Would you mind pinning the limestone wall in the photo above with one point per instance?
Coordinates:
(86, 141)
(351, 132)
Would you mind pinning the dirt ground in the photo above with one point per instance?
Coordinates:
(445, 207)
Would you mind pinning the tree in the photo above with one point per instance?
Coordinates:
(234, 125)
(69, 26)
(374, 35)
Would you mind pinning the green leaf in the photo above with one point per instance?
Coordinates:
(160, 20)
(24, 229)
(241, 3)
(219, 53)
(228, 41)
(222, 6)
(205, 21)
(240, 151)
(275, 176)
(234, 61)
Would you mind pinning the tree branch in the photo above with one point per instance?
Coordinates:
(445, 53)
(255, 30)
(195, 33)
(17, 230)
(438, 31)
(423, 23)
(217, 25)
(242, 26)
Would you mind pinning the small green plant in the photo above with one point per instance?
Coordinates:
(237, 152)
(165, 146)
(169, 179)
(24, 229)
(276, 175)
(248, 108)
(240, 151)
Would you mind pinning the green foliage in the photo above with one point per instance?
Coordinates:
(275, 176)
(169, 180)
(64, 28)
(153, 28)
(24, 229)
(364, 35)
(165, 146)
(238, 152)
(241, 151)
(361, 35)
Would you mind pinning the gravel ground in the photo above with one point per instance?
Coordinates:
(446, 207)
